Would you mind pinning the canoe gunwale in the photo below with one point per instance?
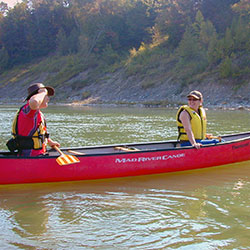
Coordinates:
(8, 155)
(106, 163)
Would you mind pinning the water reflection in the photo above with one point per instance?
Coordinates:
(148, 212)
(202, 209)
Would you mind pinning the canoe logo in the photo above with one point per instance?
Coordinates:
(145, 159)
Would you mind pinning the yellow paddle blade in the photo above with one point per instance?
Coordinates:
(67, 159)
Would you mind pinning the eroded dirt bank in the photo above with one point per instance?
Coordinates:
(117, 90)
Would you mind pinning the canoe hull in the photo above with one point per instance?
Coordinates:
(122, 164)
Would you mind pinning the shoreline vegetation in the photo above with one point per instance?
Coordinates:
(155, 105)
(127, 53)
(226, 106)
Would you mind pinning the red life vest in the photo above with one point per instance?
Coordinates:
(29, 130)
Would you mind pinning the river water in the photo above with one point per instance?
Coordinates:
(202, 209)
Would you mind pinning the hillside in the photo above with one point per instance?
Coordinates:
(117, 88)
(127, 51)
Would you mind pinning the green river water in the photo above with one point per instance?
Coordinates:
(202, 209)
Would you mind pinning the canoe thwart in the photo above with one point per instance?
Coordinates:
(214, 137)
(76, 152)
(127, 149)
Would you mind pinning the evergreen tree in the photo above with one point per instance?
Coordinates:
(228, 43)
(188, 48)
(240, 33)
(214, 52)
(218, 12)
(225, 68)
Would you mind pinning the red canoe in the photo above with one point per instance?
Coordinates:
(111, 161)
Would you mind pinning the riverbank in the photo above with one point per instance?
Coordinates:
(114, 89)
(225, 106)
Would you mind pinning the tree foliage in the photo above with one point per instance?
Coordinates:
(204, 33)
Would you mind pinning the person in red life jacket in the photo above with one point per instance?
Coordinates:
(192, 122)
(29, 126)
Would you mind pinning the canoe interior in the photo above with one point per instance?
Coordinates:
(125, 148)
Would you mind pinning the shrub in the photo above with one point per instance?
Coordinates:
(225, 68)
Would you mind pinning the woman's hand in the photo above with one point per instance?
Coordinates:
(197, 145)
(52, 143)
(40, 100)
(43, 90)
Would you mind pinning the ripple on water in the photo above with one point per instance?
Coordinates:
(205, 209)
(152, 219)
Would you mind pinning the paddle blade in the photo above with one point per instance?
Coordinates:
(66, 160)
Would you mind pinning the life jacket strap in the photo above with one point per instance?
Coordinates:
(180, 133)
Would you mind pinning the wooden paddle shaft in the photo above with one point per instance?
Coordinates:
(58, 150)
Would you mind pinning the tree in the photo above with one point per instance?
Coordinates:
(242, 8)
(67, 44)
(214, 52)
(14, 33)
(3, 9)
(29, 30)
(188, 48)
(225, 68)
(173, 18)
(228, 43)
(240, 33)
(218, 12)
(204, 30)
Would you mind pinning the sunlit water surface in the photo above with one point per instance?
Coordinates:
(202, 209)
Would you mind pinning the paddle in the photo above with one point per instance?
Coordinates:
(64, 159)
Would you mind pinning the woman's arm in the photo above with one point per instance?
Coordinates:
(52, 143)
(185, 120)
(37, 99)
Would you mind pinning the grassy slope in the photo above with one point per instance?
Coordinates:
(146, 74)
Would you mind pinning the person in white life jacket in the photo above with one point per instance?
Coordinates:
(29, 131)
(192, 122)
